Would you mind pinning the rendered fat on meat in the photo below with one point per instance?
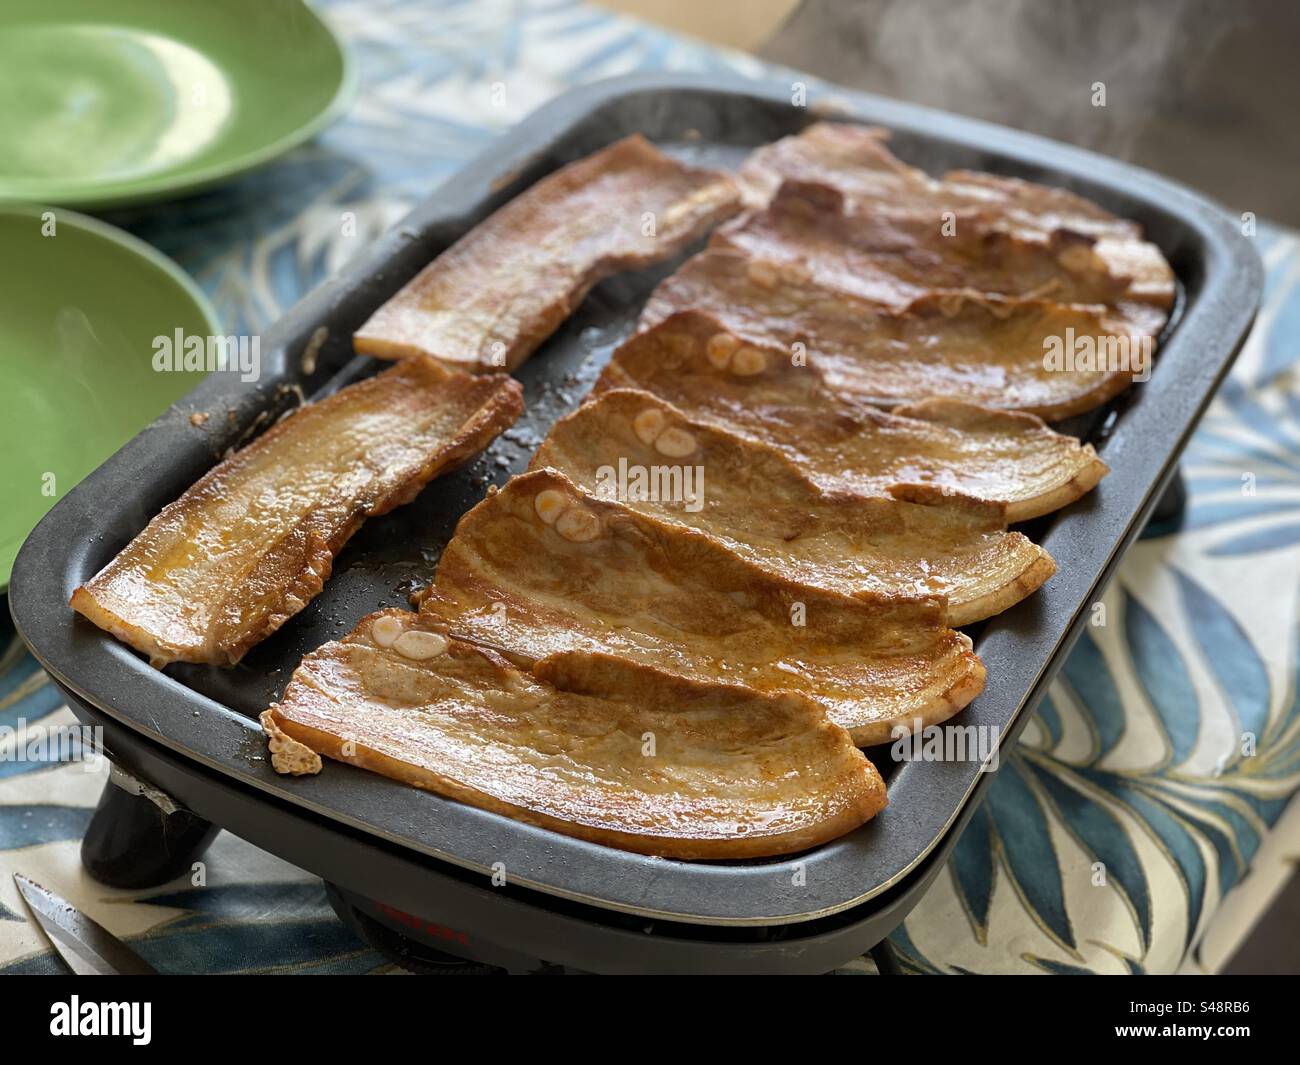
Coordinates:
(254, 540)
(754, 501)
(585, 744)
(540, 567)
(1033, 355)
(917, 451)
(489, 300)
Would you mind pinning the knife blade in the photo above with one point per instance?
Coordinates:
(88, 948)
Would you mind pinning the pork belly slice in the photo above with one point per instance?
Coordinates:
(917, 452)
(754, 501)
(489, 300)
(1036, 356)
(896, 258)
(541, 567)
(1036, 210)
(253, 541)
(587, 745)
(855, 160)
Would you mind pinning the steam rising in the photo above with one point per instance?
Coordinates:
(1031, 64)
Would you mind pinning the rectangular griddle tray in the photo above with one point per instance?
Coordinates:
(208, 716)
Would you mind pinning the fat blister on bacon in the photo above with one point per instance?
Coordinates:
(755, 502)
(494, 296)
(586, 745)
(541, 567)
(916, 451)
(254, 540)
(855, 160)
(1033, 355)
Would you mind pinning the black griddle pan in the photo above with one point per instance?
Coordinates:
(206, 718)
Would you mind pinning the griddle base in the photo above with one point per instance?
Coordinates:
(1167, 517)
(133, 842)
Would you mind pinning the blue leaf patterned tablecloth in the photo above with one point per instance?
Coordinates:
(1137, 796)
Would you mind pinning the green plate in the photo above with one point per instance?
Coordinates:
(109, 102)
(80, 309)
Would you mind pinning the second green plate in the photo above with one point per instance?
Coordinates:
(82, 306)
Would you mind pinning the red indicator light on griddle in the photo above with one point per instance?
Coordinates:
(429, 928)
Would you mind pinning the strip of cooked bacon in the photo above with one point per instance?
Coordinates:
(1037, 356)
(1036, 210)
(588, 745)
(253, 541)
(490, 299)
(895, 258)
(632, 446)
(541, 567)
(915, 452)
(854, 160)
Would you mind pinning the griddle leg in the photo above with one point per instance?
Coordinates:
(1168, 515)
(139, 838)
(885, 958)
